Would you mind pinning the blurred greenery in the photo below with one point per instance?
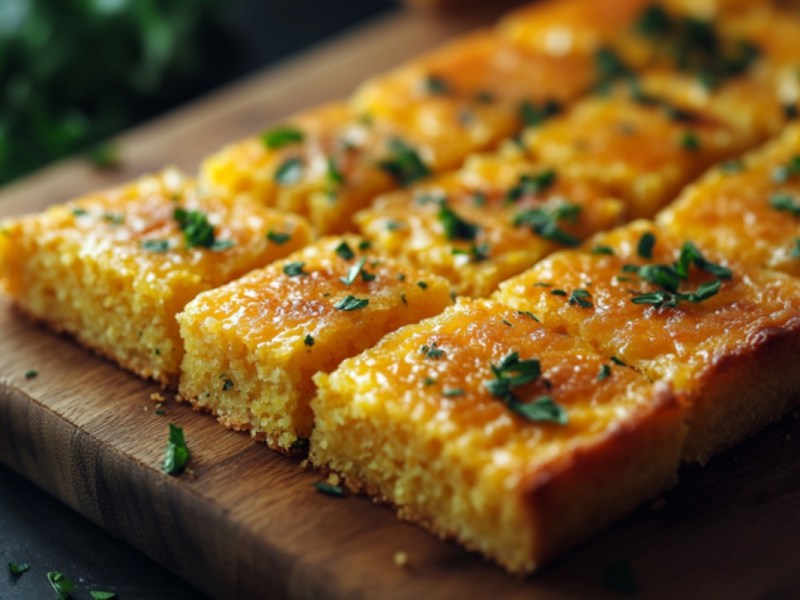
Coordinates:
(73, 72)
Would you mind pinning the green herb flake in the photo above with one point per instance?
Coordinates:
(605, 373)
(349, 303)
(795, 251)
(428, 381)
(115, 219)
(477, 253)
(785, 202)
(278, 238)
(541, 410)
(79, 212)
(645, 246)
(732, 166)
(333, 175)
(618, 361)
(403, 299)
(364, 245)
(157, 246)
(309, 340)
(281, 136)
(529, 314)
(533, 115)
(452, 392)
(344, 251)
(689, 141)
(530, 184)
(436, 86)
(545, 222)
(294, 269)
(100, 595)
(600, 250)
(355, 270)
(197, 230)
(329, 489)
(581, 298)
(177, 454)
(619, 577)
(423, 285)
(558, 292)
(62, 585)
(456, 228)
(31, 374)
(290, 171)
(672, 299)
(609, 67)
(432, 351)
(18, 568)
(403, 163)
(783, 173)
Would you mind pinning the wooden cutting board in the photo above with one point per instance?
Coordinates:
(246, 522)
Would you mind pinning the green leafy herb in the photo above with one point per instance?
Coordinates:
(690, 141)
(343, 250)
(795, 252)
(423, 285)
(157, 246)
(428, 381)
(783, 173)
(198, 231)
(544, 222)
(278, 238)
(100, 595)
(581, 297)
(290, 171)
(279, 137)
(734, 165)
(354, 272)
(18, 568)
(294, 269)
(31, 374)
(532, 184)
(436, 86)
(452, 392)
(618, 361)
(477, 253)
(227, 384)
(671, 299)
(605, 372)
(646, 244)
(432, 351)
(785, 202)
(541, 410)
(333, 174)
(177, 454)
(512, 372)
(404, 164)
(349, 303)
(329, 489)
(62, 586)
(653, 21)
(79, 212)
(113, 218)
(533, 115)
(600, 249)
(609, 67)
(455, 228)
(309, 341)
(558, 292)
(528, 313)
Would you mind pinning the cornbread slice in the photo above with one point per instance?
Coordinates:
(253, 345)
(490, 220)
(728, 352)
(115, 267)
(747, 210)
(451, 421)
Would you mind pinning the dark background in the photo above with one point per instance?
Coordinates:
(34, 527)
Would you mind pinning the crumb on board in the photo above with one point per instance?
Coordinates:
(157, 397)
(400, 559)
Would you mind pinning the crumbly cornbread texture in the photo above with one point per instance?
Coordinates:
(114, 268)
(431, 420)
(253, 345)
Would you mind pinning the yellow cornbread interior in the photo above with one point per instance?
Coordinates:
(422, 432)
(253, 345)
(113, 268)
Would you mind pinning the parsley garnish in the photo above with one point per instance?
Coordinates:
(544, 222)
(531, 184)
(605, 372)
(113, 218)
(600, 249)
(671, 299)
(795, 252)
(79, 212)
(455, 228)
(343, 250)
(177, 454)
(329, 489)
(309, 341)
(558, 292)
(452, 392)
(437, 86)
(690, 141)
(423, 285)
(528, 313)
(227, 384)
(294, 269)
(785, 202)
(783, 173)
(31, 374)
(512, 372)
(432, 351)
(333, 174)
(197, 230)
(428, 381)
(476, 253)
(290, 171)
(646, 244)
(354, 272)
(349, 303)
(609, 67)
(99, 595)
(533, 115)
(158, 246)
(18, 568)
(278, 238)
(618, 361)
(404, 165)
(581, 298)
(62, 586)
(282, 136)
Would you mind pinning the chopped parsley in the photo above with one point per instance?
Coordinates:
(31, 374)
(618, 361)
(531, 184)
(455, 228)
(689, 141)
(198, 231)
(671, 299)
(544, 222)
(581, 297)
(437, 86)
(294, 269)
(605, 373)
(79, 212)
(278, 238)
(795, 252)
(404, 164)
(783, 173)
(329, 489)
(528, 313)
(290, 171)
(477, 253)
(349, 303)
(428, 381)
(785, 202)
(432, 351)
(100, 595)
(309, 341)
(423, 285)
(227, 384)
(609, 67)
(645, 247)
(114, 218)
(734, 165)
(533, 115)
(343, 250)
(600, 249)
(558, 292)
(177, 454)
(452, 392)
(157, 246)
(62, 585)
(333, 175)
(356, 270)
(364, 245)
(18, 568)
(279, 137)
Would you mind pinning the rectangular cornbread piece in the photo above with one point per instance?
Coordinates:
(747, 209)
(253, 345)
(488, 221)
(726, 336)
(487, 427)
(115, 267)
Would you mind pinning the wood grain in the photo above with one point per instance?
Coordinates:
(246, 523)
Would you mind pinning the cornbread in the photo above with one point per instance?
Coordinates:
(252, 346)
(432, 421)
(490, 220)
(115, 267)
(729, 354)
(747, 210)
